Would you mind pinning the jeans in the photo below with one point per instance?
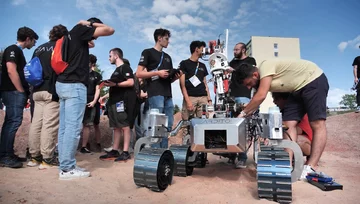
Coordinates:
(15, 102)
(165, 105)
(242, 156)
(72, 98)
(139, 128)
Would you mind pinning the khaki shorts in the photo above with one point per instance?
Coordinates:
(197, 102)
(117, 119)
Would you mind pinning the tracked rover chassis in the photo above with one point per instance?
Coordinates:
(154, 168)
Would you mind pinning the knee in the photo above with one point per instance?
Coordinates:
(318, 125)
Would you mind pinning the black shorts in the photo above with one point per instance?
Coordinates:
(89, 116)
(310, 99)
(117, 119)
(97, 114)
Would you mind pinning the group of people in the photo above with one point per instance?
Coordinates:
(66, 104)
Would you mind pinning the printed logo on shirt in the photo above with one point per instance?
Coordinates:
(127, 74)
(116, 73)
(141, 58)
(12, 54)
(167, 59)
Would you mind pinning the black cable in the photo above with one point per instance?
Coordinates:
(288, 135)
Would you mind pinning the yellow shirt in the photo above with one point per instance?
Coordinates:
(289, 75)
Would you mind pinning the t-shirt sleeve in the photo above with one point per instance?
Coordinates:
(11, 54)
(267, 68)
(253, 61)
(99, 78)
(127, 72)
(205, 71)
(84, 33)
(144, 59)
(182, 67)
(356, 61)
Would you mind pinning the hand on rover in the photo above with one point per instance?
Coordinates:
(190, 106)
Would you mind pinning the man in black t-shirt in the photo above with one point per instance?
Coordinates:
(241, 93)
(45, 123)
(71, 88)
(193, 83)
(120, 105)
(15, 91)
(156, 67)
(356, 65)
(93, 93)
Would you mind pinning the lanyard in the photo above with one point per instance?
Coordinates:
(161, 59)
(197, 67)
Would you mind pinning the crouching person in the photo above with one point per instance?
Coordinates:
(121, 94)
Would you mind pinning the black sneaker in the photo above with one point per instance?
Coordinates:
(113, 154)
(10, 162)
(85, 150)
(19, 159)
(48, 163)
(123, 157)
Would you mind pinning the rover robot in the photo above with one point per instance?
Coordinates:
(222, 134)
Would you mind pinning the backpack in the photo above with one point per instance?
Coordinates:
(59, 57)
(33, 72)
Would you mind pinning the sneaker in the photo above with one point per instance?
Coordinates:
(240, 164)
(34, 161)
(123, 157)
(113, 154)
(19, 159)
(108, 149)
(10, 162)
(85, 150)
(48, 163)
(357, 109)
(307, 169)
(73, 174)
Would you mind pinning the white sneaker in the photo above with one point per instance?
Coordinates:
(357, 109)
(307, 169)
(240, 164)
(73, 174)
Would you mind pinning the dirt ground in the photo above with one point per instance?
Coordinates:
(217, 183)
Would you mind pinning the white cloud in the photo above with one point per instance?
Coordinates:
(171, 20)
(335, 96)
(18, 2)
(355, 43)
(164, 7)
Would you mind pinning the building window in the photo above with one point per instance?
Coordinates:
(276, 54)
(275, 46)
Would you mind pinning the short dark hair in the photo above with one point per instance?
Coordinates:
(161, 32)
(196, 44)
(118, 52)
(25, 32)
(126, 61)
(95, 20)
(280, 95)
(242, 45)
(92, 59)
(57, 32)
(243, 71)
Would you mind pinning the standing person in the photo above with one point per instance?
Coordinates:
(154, 66)
(193, 83)
(14, 91)
(356, 65)
(71, 88)
(45, 123)
(309, 88)
(241, 93)
(93, 93)
(120, 104)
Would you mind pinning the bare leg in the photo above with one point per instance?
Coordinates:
(304, 144)
(318, 143)
(293, 134)
(127, 135)
(117, 136)
(85, 136)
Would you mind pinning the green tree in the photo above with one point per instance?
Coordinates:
(176, 109)
(104, 90)
(349, 101)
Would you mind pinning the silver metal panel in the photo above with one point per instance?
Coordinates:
(272, 125)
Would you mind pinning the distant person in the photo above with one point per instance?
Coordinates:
(93, 93)
(71, 88)
(356, 65)
(45, 122)
(14, 92)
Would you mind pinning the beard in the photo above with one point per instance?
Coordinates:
(238, 56)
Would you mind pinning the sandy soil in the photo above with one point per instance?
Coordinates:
(217, 183)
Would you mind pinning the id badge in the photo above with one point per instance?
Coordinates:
(153, 78)
(120, 107)
(195, 81)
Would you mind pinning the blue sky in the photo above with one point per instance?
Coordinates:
(329, 30)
